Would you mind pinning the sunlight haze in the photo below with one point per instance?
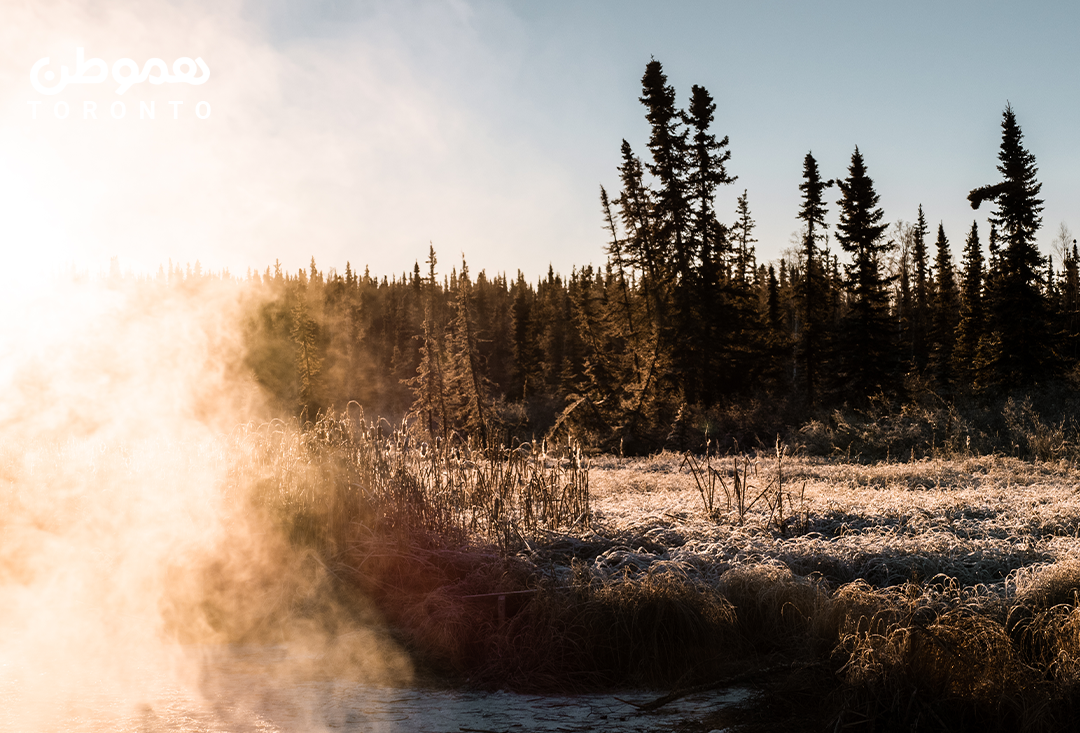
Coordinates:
(362, 131)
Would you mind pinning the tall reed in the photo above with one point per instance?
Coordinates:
(320, 478)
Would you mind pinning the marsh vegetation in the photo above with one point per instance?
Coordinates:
(940, 592)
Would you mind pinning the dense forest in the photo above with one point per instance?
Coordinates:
(682, 336)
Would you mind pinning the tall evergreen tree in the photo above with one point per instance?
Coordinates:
(706, 161)
(945, 314)
(668, 152)
(673, 239)
(869, 357)
(904, 299)
(527, 373)
(972, 316)
(920, 323)
(1070, 306)
(468, 388)
(429, 384)
(1019, 350)
(812, 214)
(306, 337)
(641, 248)
(711, 314)
(744, 241)
(773, 314)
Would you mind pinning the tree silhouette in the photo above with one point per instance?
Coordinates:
(921, 289)
(945, 314)
(305, 337)
(868, 361)
(1018, 350)
(969, 330)
(743, 237)
(468, 388)
(812, 214)
(429, 384)
(706, 170)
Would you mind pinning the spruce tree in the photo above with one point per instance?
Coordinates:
(527, 373)
(944, 314)
(812, 214)
(904, 300)
(1018, 349)
(772, 307)
(429, 384)
(920, 306)
(668, 152)
(305, 337)
(711, 314)
(744, 241)
(468, 388)
(868, 363)
(706, 160)
(969, 330)
(1070, 307)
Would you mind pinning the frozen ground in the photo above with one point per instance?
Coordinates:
(985, 521)
(250, 689)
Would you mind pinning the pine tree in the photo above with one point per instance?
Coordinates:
(672, 238)
(812, 214)
(668, 151)
(468, 388)
(904, 299)
(429, 384)
(744, 241)
(641, 248)
(527, 375)
(972, 323)
(1070, 306)
(944, 314)
(920, 324)
(599, 377)
(703, 320)
(713, 340)
(623, 319)
(305, 337)
(773, 315)
(1019, 350)
(869, 358)
(706, 162)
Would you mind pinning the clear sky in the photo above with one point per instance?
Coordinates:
(362, 131)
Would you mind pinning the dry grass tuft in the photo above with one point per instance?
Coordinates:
(594, 632)
(937, 593)
(775, 608)
(321, 478)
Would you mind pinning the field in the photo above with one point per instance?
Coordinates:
(941, 593)
(937, 593)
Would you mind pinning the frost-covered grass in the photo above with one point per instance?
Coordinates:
(939, 592)
(943, 594)
(976, 520)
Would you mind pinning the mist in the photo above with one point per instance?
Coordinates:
(131, 552)
(345, 141)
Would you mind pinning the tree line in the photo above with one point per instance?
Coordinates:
(682, 325)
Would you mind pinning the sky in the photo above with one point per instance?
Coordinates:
(365, 132)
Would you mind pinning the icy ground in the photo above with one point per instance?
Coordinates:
(249, 690)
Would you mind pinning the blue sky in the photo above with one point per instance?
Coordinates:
(362, 131)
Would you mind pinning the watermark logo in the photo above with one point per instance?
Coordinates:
(126, 73)
(96, 71)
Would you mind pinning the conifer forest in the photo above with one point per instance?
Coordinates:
(684, 336)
